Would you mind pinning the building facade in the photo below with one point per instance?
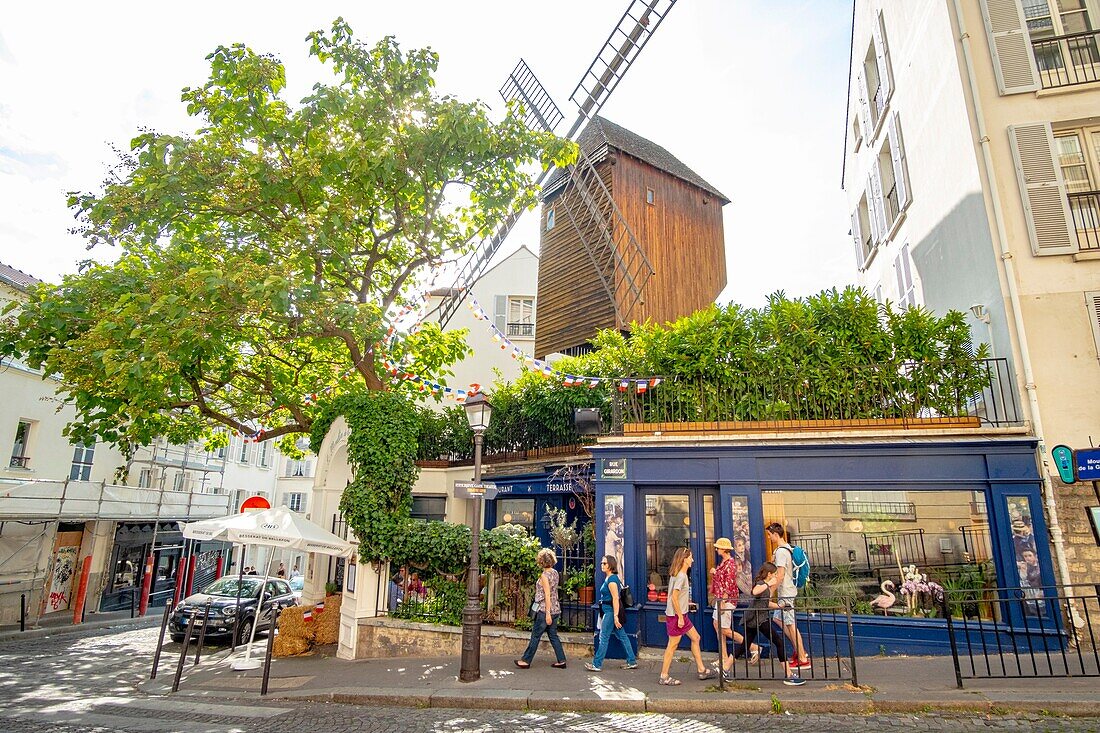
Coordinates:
(972, 169)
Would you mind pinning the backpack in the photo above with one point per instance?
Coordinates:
(626, 597)
(800, 566)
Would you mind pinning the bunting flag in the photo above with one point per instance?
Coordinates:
(307, 617)
(319, 608)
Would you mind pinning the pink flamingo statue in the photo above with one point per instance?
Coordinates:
(887, 599)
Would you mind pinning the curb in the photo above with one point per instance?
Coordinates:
(45, 631)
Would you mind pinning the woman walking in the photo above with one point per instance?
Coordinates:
(758, 621)
(609, 618)
(545, 612)
(678, 623)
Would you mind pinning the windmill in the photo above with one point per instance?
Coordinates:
(612, 249)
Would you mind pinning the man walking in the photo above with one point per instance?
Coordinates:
(786, 592)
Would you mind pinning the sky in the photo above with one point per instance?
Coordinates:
(750, 94)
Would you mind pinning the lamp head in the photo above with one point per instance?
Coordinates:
(478, 412)
(980, 312)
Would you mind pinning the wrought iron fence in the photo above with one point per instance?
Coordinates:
(913, 394)
(818, 549)
(1067, 60)
(1041, 632)
(885, 509)
(888, 549)
(1085, 208)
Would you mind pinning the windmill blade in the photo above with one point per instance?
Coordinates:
(540, 112)
(629, 37)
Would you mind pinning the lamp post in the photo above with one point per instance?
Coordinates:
(478, 412)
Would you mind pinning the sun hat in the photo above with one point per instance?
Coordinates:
(723, 543)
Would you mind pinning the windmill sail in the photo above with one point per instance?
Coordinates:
(607, 239)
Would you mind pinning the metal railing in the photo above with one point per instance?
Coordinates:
(909, 395)
(43, 499)
(1085, 209)
(1043, 632)
(818, 549)
(888, 549)
(976, 543)
(521, 330)
(891, 509)
(1067, 60)
(20, 461)
(892, 206)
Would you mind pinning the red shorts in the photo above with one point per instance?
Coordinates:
(673, 629)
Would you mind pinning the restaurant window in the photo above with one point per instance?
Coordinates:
(667, 528)
(517, 511)
(429, 508)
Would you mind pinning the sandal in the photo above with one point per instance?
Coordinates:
(558, 665)
(521, 664)
(669, 681)
(708, 674)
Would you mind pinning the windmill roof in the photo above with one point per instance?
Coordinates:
(16, 278)
(602, 133)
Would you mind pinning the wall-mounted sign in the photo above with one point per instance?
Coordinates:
(255, 504)
(613, 469)
(475, 490)
(1063, 459)
(1088, 464)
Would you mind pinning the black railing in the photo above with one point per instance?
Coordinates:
(925, 394)
(976, 543)
(1041, 632)
(891, 509)
(521, 330)
(20, 461)
(889, 549)
(511, 440)
(818, 550)
(1085, 209)
(893, 208)
(1067, 60)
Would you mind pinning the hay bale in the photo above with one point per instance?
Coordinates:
(289, 646)
(297, 636)
(327, 623)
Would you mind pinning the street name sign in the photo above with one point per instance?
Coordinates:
(475, 490)
(1088, 464)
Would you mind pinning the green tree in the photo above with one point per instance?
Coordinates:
(259, 255)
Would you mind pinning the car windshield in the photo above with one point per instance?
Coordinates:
(228, 587)
(297, 582)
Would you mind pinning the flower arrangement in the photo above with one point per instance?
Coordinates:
(921, 594)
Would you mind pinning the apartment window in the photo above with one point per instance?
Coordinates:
(888, 190)
(179, 482)
(874, 80)
(649, 196)
(145, 478)
(81, 469)
(295, 502)
(1078, 155)
(246, 451)
(1092, 302)
(19, 457)
(863, 233)
(903, 270)
(857, 132)
(429, 508)
(298, 469)
(521, 316)
(265, 454)
(1063, 41)
(550, 218)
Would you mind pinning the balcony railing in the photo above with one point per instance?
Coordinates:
(521, 330)
(892, 207)
(1085, 208)
(20, 461)
(891, 509)
(1064, 61)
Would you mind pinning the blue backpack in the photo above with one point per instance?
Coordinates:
(800, 566)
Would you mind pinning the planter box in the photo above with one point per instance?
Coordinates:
(799, 426)
(382, 637)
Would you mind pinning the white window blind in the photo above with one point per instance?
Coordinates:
(1043, 190)
(1009, 46)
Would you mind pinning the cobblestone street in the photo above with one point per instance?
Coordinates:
(87, 682)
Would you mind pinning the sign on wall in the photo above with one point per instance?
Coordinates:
(1063, 460)
(613, 468)
(1087, 462)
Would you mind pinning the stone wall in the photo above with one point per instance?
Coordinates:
(1082, 552)
(385, 637)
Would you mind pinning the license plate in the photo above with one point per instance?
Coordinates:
(198, 622)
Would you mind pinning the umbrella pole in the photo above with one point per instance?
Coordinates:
(248, 662)
(240, 582)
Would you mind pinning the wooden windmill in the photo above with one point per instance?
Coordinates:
(594, 272)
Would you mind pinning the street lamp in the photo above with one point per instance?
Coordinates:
(478, 412)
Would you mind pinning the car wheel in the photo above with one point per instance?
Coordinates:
(244, 631)
(177, 638)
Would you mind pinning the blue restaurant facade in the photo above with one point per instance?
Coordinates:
(960, 509)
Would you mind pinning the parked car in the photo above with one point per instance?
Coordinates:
(297, 585)
(225, 617)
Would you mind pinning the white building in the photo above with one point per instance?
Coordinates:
(972, 169)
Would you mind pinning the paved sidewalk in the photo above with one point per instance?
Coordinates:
(888, 685)
(62, 623)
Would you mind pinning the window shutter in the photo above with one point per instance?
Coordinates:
(878, 211)
(882, 57)
(1092, 300)
(858, 237)
(864, 106)
(1046, 208)
(1010, 46)
(901, 168)
(500, 312)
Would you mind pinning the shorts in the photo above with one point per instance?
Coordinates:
(673, 629)
(727, 616)
(787, 614)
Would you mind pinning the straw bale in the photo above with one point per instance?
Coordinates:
(327, 623)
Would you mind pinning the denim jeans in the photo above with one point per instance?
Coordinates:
(607, 628)
(538, 628)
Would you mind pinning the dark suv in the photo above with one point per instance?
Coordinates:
(225, 617)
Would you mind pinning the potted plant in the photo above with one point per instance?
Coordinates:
(578, 584)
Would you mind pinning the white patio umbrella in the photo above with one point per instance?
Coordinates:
(276, 528)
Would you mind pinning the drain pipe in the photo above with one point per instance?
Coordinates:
(1056, 537)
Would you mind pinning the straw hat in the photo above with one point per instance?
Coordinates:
(723, 543)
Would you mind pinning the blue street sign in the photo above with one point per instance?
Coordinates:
(1063, 459)
(1088, 464)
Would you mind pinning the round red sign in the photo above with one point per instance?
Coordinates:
(255, 502)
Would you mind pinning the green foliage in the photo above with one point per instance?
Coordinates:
(258, 254)
(445, 600)
(509, 549)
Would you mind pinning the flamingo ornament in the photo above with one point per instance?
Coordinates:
(887, 599)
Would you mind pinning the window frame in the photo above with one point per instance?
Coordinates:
(295, 498)
(426, 516)
(244, 456)
(551, 219)
(21, 459)
(81, 470)
(650, 196)
(265, 454)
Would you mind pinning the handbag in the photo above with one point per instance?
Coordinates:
(626, 597)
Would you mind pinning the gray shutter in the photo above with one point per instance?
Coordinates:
(1010, 46)
(1046, 208)
(878, 209)
(857, 235)
(500, 312)
(901, 168)
(1092, 301)
(864, 107)
(882, 57)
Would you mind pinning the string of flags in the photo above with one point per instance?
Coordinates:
(317, 610)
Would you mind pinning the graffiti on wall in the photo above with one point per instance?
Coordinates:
(61, 578)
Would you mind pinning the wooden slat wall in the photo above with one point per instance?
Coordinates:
(571, 303)
(682, 235)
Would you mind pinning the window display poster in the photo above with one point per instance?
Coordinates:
(613, 530)
(1026, 554)
(742, 544)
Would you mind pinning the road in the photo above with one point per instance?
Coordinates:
(88, 682)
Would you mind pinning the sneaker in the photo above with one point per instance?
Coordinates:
(591, 667)
(801, 665)
(794, 681)
(629, 665)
